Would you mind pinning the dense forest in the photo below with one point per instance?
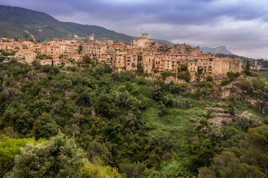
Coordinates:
(88, 121)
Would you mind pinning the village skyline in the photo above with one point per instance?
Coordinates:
(239, 25)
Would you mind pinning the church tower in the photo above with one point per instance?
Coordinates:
(91, 37)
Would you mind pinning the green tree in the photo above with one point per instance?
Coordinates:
(57, 157)
(247, 68)
(249, 160)
(80, 49)
(45, 127)
(9, 148)
(97, 171)
(184, 73)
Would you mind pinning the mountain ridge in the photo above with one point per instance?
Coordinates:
(16, 21)
(22, 23)
(216, 50)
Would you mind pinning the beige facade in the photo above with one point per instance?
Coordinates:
(27, 55)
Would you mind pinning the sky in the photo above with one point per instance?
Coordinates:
(241, 25)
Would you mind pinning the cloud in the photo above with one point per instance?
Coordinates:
(239, 24)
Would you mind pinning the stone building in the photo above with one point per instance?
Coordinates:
(143, 52)
(158, 57)
(26, 55)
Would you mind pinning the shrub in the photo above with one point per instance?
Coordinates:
(225, 82)
(210, 79)
(125, 101)
(183, 68)
(102, 69)
(184, 73)
(245, 85)
(140, 69)
(157, 93)
(186, 76)
(2, 59)
(87, 60)
(43, 56)
(248, 160)
(57, 157)
(8, 53)
(97, 171)
(84, 99)
(162, 111)
(105, 106)
(258, 84)
(9, 148)
(133, 169)
(232, 76)
(45, 126)
(165, 75)
(49, 69)
(177, 102)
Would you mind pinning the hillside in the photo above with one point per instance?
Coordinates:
(142, 128)
(22, 23)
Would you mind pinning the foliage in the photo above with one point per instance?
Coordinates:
(96, 171)
(140, 127)
(9, 148)
(248, 160)
(7, 52)
(87, 60)
(181, 103)
(165, 75)
(184, 73)
(264, 75)
(232, 76)
(140, 69)
(80, 49)
(58, 157)
(247, 68)
(258, 84)
(246, 86)
(43, 56)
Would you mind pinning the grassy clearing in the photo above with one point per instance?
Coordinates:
(177, 120)
(264, 75)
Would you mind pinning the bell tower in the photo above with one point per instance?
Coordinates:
(91, 37)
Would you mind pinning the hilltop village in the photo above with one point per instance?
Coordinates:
(142, 53)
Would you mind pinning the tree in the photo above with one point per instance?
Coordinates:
(9, 148)
(105, 106)
(80, 49)
(249, 160)
(96, 171)
(140, 69)
(43, 56)
(247, 68)
(87, 60)
(184, 73)
(45, 127)
(57, 157)
(84, 99)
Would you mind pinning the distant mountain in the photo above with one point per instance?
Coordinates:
(22, 23)
(217, 50)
